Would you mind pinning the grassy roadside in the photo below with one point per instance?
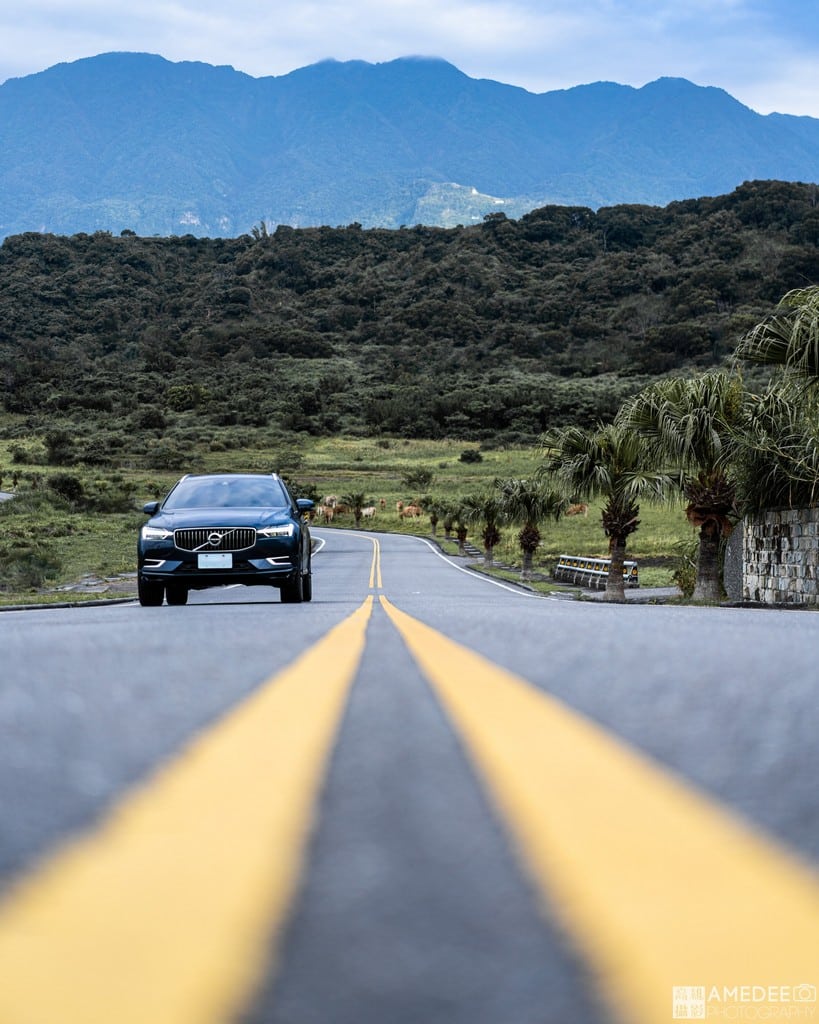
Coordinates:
(49, 542)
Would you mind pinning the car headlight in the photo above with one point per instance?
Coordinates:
(280, 530)
(155, 533)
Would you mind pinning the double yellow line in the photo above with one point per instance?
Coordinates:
(657, 885)
(163, 915)
(166, 913)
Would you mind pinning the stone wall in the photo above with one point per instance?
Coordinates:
(781, 557)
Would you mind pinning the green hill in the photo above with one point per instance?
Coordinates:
(490, 332)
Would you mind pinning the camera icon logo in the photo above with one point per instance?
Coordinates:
(804, 994)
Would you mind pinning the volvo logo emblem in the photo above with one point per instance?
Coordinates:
(215, 539)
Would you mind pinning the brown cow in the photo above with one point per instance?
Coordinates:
(412, 512)
(577, 510)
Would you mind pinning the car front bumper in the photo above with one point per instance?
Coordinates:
(244, 571)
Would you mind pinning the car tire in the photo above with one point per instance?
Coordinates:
(150, 594)
(293, 591)
(176, 595)
(307, 587)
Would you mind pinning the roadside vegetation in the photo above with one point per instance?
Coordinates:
(494, 377)
(494, 332)
(668, 477)
(49, 540)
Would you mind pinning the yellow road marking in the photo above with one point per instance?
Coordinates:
(375, 568)
(163, 916)
(657, 884)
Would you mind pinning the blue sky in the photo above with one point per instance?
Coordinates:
(763, 52)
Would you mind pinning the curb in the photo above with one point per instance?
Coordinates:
(45, 605)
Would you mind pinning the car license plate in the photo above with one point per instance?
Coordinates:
(215, 560)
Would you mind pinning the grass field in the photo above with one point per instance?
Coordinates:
(103, 544)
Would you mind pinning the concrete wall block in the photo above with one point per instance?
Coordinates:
(781, 557)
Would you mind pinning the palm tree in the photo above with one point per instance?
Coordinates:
(461, 531)
(607, 462)
(789, 337)
(356, 501)
(448, 511)
(486, 510)
(433, 508)
(690, 427)
(526, 503)
(777, 460)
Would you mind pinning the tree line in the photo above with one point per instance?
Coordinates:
(493, 332)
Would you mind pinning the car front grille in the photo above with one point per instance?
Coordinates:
(216, 538)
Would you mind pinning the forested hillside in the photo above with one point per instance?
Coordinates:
(495, 331)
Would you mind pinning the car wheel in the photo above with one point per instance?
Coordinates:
(293, 592)
(307, 587)
(150, 594)
(176, 595)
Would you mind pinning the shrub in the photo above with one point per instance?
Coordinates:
(149, 418)
(684, 572)
(26, 565)
(97, 451)
(166, 456)
(418, 479)
(67, 486)
(470, 455)
(109, 496)
(60, 448)
(20, 456)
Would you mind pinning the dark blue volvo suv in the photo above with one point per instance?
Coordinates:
(216, 529)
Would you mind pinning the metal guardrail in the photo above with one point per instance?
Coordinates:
(592, 572)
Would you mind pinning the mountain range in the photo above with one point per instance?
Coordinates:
(129, 141)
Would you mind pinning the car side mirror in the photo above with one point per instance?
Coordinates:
(151, 508)
(305, 505)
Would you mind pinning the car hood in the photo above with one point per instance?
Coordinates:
(191, 518)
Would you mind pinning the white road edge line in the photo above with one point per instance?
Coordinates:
(479, 575)
(469, 572)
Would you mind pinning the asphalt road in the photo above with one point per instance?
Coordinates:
(469, 804)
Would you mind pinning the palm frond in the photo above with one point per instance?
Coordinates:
(777, 463)
(789, 337)
(687, 422)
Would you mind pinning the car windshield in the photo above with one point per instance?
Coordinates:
(227, 492)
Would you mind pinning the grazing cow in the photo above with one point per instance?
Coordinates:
(399, 507)
(368, 512)
(412, 512)
(577, 510)
(325, 512)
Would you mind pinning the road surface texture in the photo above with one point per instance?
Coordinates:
(422, 798)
